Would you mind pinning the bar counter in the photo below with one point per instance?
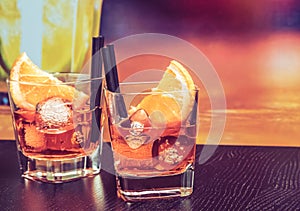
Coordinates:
(233, 178)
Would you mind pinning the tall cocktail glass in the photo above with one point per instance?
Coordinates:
(56, 35)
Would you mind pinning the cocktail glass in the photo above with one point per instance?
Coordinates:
(55, 131)
(154, 153)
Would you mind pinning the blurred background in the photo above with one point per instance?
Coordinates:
(253, 45)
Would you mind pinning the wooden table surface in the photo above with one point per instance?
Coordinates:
(233, 178)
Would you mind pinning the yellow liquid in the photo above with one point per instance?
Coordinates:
(55, 34)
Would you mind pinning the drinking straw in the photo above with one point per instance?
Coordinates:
(96, 86)
(98, 43)
(110, 67)
(111, 77)
(193, 117)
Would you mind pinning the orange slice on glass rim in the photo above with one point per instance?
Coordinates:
(173, 98)
(180, 84)
(30, 85)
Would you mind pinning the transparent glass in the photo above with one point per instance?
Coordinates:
(58, 139)
(56, 35)
(151, 159)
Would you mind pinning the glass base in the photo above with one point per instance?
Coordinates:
(137, 189)
(58, 171)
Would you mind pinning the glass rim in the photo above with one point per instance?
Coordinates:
(152, 90)
(78, 79)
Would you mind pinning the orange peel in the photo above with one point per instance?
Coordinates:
(30, 85)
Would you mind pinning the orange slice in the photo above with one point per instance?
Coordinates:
(162, 109)
(172, 100)
(179, 82)
(30, 85)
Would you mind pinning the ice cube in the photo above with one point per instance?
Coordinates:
(138, 125)
(136, 128)
(168, 150)
(135, 142)
(170, 156)
(54, 114)
(140, 116)
(63, 141)
(34, 139)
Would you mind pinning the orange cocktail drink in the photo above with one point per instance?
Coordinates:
(53, 121)
(153, 127)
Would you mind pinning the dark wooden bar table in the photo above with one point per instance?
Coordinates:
(234, 178)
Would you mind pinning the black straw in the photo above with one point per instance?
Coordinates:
(111, 77)
(96, 86)
(192, 131)
(98, 43)
(110, 67)
(194, 113)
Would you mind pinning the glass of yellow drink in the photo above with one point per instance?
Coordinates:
(55, 34)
